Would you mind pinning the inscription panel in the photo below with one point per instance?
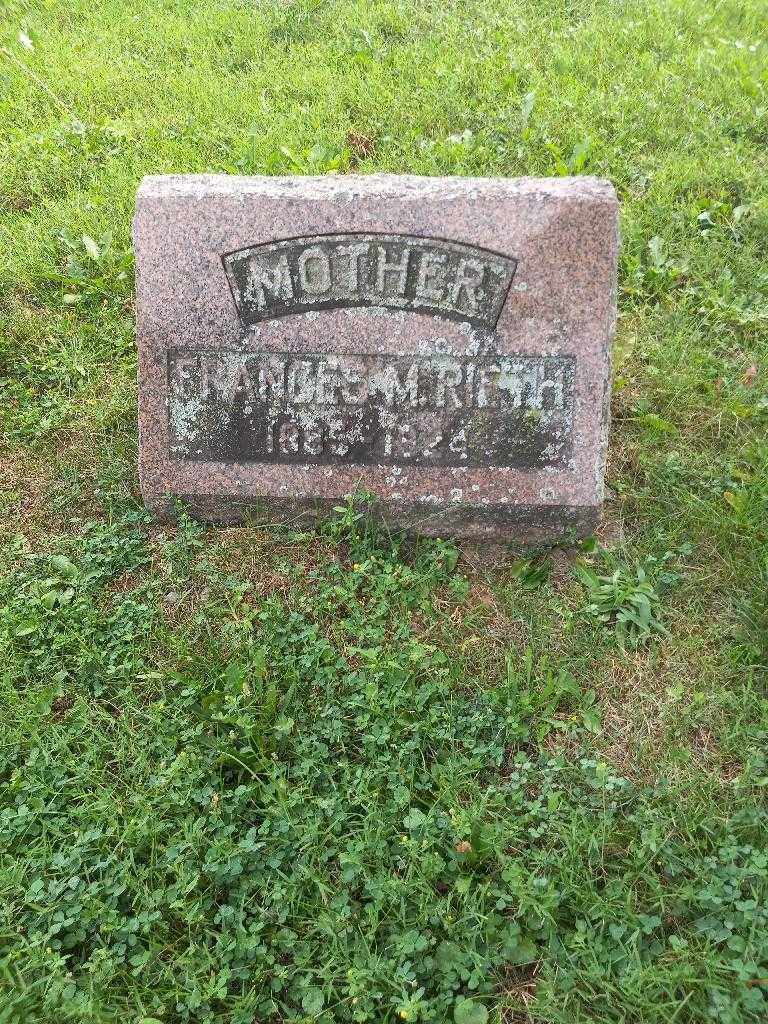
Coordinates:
(422, 275)
(316, 409)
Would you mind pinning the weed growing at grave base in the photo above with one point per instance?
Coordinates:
(329, 776)
(629, 598)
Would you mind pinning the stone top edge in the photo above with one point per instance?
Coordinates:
(373, 186)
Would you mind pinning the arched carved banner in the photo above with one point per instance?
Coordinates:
(401, 272)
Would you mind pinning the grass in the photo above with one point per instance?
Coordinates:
(271, 775)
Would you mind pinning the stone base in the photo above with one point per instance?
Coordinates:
(524, 525)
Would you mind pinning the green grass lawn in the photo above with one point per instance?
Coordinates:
(266, 774)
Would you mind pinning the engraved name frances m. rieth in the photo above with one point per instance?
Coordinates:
(437, 409)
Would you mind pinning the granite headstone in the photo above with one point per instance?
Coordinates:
(442, 343)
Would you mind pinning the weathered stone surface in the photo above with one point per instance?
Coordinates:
(443, 343)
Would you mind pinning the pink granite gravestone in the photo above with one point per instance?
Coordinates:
(442, 343)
